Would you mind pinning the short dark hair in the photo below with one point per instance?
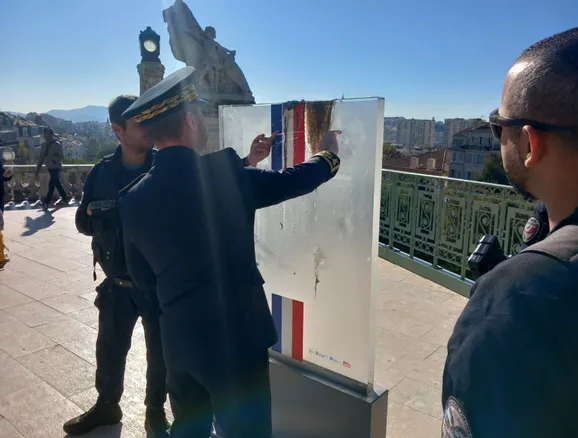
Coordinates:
(170, 127)
(118, 106)
(547, 90)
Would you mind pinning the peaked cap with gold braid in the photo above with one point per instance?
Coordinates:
(164, 98)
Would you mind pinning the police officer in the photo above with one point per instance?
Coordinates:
(119, 302)
(511, 365)
(216, 324)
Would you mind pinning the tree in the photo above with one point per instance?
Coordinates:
(390, 151)
(92, 148)
(493, 170)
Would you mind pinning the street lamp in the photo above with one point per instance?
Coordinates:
(8, 154)
(150, 45)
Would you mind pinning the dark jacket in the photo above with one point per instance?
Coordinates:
(4, 179)
(191, 219)
(511, 365)
(103, 183)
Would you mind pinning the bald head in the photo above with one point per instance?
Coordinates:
(542, 85)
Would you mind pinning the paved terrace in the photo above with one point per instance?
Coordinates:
(48, 331)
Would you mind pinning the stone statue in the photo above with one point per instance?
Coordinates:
(216, 67)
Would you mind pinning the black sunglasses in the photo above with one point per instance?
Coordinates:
(497, 122)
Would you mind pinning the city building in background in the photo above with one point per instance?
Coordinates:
(8, 134)
(429, 163)
(390, 129)
(453, 126)
(416, 133)
(469, 150)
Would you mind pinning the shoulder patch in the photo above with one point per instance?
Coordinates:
(455, 424)
(131, 185)
(531, 229)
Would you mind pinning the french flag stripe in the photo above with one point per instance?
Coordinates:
(276, 302)
(297, 337)
(298, 124)
(277, 146)
(289, 139)
(288, 317)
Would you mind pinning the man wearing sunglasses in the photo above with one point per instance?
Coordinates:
(512, 358)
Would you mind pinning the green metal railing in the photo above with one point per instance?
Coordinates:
(430, 225)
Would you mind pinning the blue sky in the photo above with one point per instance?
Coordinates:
(427, 58)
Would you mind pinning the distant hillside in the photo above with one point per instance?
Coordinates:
(89, 113)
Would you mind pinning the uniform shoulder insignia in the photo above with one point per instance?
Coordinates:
(531, 229)
(131, 185)
(455, 424)
(331, 159)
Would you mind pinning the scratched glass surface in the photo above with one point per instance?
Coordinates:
(321, 249)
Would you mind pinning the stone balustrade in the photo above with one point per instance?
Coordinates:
(25, 188)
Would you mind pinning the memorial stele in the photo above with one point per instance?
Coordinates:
(218, 77)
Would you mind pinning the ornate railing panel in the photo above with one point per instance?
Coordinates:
(439, 221)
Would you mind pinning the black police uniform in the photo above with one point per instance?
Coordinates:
(216, 323)
(512, 358)
(119, 302)
(537, 227)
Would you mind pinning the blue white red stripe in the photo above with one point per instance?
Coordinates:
(277, 146)
(288, 317)
(287, 150)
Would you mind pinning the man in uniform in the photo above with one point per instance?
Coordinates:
(511, 366)
(119, 302)
(52, 156)
(216, 324)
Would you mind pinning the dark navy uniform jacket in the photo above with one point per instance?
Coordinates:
(191, 219)
(537, 227)
(512, 365)
(102, 183)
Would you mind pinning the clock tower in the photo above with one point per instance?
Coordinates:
(150, 69)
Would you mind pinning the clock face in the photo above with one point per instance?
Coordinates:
(150, 46)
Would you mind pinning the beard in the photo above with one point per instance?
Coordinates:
(520, 188)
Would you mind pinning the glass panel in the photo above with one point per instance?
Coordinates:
(321, 249)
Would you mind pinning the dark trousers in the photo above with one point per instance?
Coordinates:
(119, 309)
(54, 183)
(236, 392)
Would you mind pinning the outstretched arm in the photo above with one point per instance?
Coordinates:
(269, 187)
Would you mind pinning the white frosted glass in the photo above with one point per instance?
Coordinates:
(321, 249)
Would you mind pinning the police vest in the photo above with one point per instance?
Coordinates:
(107, 235)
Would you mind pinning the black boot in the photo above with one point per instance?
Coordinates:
(156, 424)
(101, 414)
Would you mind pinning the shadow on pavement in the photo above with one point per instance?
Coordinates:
(40, 223)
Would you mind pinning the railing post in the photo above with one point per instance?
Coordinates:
(467, 232)
(392, 209)
(439, 221)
